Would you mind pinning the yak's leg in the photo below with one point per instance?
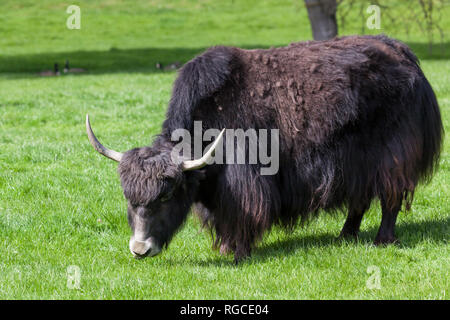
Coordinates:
(386, 233)
(243, 248)
(353, 222)
(240, 247)
(242, 253)
(225, 249)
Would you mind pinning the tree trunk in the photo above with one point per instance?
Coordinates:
(322, 16)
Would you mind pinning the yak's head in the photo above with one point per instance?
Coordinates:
(159, 190)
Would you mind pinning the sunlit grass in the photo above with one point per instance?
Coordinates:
(61, 203)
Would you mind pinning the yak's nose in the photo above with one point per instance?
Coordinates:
(140, 248)
(144, 248)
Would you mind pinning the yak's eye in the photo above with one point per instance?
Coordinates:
(166, 197)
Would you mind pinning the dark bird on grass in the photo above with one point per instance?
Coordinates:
(51, 73)
(173, 66)
(357, 121)
(67, 69)
(170, 67)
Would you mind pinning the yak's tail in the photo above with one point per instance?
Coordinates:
(430, 131)
(426, 112)
(432, 128)
(415, 149)
(197, 80)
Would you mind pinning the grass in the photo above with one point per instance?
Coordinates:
(61, 203)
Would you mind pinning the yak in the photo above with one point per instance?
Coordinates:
(357, 119)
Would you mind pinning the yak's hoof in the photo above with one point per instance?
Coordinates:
(238, 260)
(384, 241)
(348, 236)
(239, 257)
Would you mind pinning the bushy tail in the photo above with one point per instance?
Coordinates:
(432, 128)
(415, 148)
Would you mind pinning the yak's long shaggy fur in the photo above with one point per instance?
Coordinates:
(358, 120)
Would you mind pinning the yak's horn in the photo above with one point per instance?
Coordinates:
(114, 155)
(203, 161)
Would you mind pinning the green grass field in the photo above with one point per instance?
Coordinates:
(61, 203)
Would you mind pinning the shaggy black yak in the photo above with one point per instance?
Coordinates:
(356, 117)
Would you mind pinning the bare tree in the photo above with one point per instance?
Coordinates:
(322, 16)
(424, 15)
(429, 18)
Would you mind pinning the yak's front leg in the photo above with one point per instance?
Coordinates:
(241, 253)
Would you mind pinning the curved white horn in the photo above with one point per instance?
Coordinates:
(113, 155)
(201, 162)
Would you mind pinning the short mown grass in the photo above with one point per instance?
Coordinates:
(61, 203)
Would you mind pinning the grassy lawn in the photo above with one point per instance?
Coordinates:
(61, 203)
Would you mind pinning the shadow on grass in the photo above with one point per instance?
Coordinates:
(98, 62)
(409, 235)
(142, 60)
(440, 51)
(218, 261)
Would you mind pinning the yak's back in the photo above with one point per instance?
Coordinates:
(310, 90)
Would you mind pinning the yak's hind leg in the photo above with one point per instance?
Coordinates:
(386, 234)
(353, 222)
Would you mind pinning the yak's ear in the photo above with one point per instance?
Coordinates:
(192, 180)
(200, 174)
(195, 175)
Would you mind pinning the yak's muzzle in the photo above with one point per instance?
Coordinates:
(145, 248)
